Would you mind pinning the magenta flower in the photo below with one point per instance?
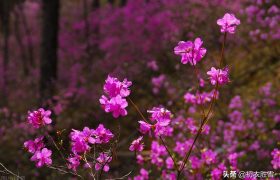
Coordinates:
(160, 127)
(182, 147)
(114, 87)
(157, 153)
(144, 175)
(39, 118)
(159, 113)
(74, 162)
(199, 98)
(116, 105)
(137, 145)
(218, 76)
(275, 158)
(162, 118)
(196, 163)
(80, 140)
(144, 127)
(228, 23)
(209, 156)
(233, 160)
(102, 135)
(102, 162)
(140, 159)
(190, 52)
(42, 157)
(235, 103)
(36, 145)
(217, 173)
(117, 91)
(169, 163)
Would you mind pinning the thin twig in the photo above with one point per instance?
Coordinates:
(124, 176)
(173, 159)
(10, 172)
(137, 109)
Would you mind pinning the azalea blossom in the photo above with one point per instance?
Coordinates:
(115, 105)
(36, 145)
(137, 145)
(102, 135)
(42, 157)
(228, 23)
(102, 162)
(114, 87)
(190, 52)
(74, 162)
(218, 76)
(114, 101)
(209, 156)
(39, 118)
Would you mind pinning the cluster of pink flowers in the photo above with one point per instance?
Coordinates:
(116, 91)
(191, 52)
(41, 155)
(264, 14)
(81, 142)
(200, 98)
(39, 118)
(160, 118)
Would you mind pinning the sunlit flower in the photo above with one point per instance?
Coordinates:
(190, 52)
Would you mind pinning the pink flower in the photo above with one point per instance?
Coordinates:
(157, 151)
(169, 163)
(137, 145)
(144, 127)
(233, 160)
(162, 120)
(217, 173)
(195, 162)
(275, 158)
(39, 118)
(116, 105)
(42, 157)
(117, 91)
(182, 147)
(140, 159)
(102, 162)
(235, 103)
(74, 162)
(35, 145)
(209, 156)
(159, 113)
(191, 52)
(114, 87)
(228, 23)
(144, 175)
(82, 139)
(161, 128)
(102, 135)
(218, 76)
